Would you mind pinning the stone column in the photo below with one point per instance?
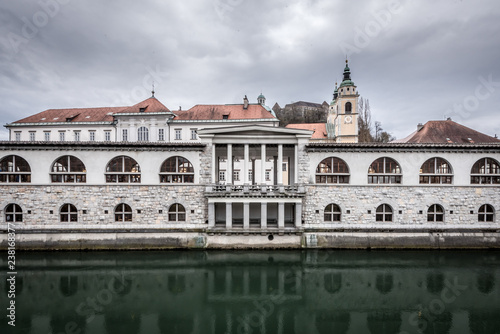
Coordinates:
(281, 215)
(252, 181)
(245, 164)
(280, 164)
(263, 215)
(211, 214)
(229, 163)
(229, 215)
(298, 214)
(246, 215)
(296, 164)
(214, 169)
(262, 164)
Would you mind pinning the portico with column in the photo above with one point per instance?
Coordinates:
(254, 178)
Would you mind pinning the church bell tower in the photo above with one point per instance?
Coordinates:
(343, 113)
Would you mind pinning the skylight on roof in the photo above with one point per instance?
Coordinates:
(43, 119)
(87, 116)
(56, 118)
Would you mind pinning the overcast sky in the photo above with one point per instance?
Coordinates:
(414, 60)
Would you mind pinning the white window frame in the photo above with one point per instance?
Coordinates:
(17, 135)
(77, 135)
(107, 135)
(46, 135)
(91, 135)
(32, 135)
(62, 135)
(143, 134)
(178, 134)
(194, 135)
(124, 134)
(161, 134)
(222, 176)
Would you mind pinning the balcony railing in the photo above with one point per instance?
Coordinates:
(254, 189)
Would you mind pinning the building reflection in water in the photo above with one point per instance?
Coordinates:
(258, 292)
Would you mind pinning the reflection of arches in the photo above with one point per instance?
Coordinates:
(333, 322)
(123, 322)
(68, 285)
(176, 283)
(384, 283)
(484, 323)
(59, 323)
(438, 323)
(485, 282)
(172, 324)
(333, 282)
(435, 282)
(384, 322)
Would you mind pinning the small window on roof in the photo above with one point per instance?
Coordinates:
(143, 109)
(225, 116)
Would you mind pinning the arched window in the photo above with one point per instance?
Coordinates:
(384, 171)
(486, 213)
(348, 108)
(436, 171)
(435, 213)
(333, 282)
(68, 169)
(384, 213)
(332, 170)
(123, 169)
(13, 213)
(332, 213)
(68, 213)
(177, 170)
(176, 213)
(123, 213)
(13, 168)
(485, 171)
(143, 134)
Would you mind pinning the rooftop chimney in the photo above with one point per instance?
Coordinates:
(419, 126)
(245, 102)
(448, 119)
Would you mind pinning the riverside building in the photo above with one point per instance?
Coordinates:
(223, 176)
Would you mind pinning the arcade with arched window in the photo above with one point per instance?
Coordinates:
(68, 169)
(177, 170)
(14, 169)
(384, 171)
(332, 170)
(436, 171)
(485, 171)
(123, 169)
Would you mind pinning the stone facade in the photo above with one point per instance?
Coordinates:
(258, 215)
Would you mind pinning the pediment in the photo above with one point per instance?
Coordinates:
(254, 131)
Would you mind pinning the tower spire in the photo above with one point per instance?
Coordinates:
(153, 90)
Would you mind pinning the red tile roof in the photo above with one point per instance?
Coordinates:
(218, 111)
(318, 128)
(446, 132)
(73, 115)
(148, 105)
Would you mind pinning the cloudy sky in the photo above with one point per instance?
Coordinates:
(414, 60)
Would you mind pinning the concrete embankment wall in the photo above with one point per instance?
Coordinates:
(200, 240)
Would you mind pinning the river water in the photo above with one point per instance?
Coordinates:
(293, 291)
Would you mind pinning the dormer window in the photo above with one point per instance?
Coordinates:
(142, 109)
(225, 116)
